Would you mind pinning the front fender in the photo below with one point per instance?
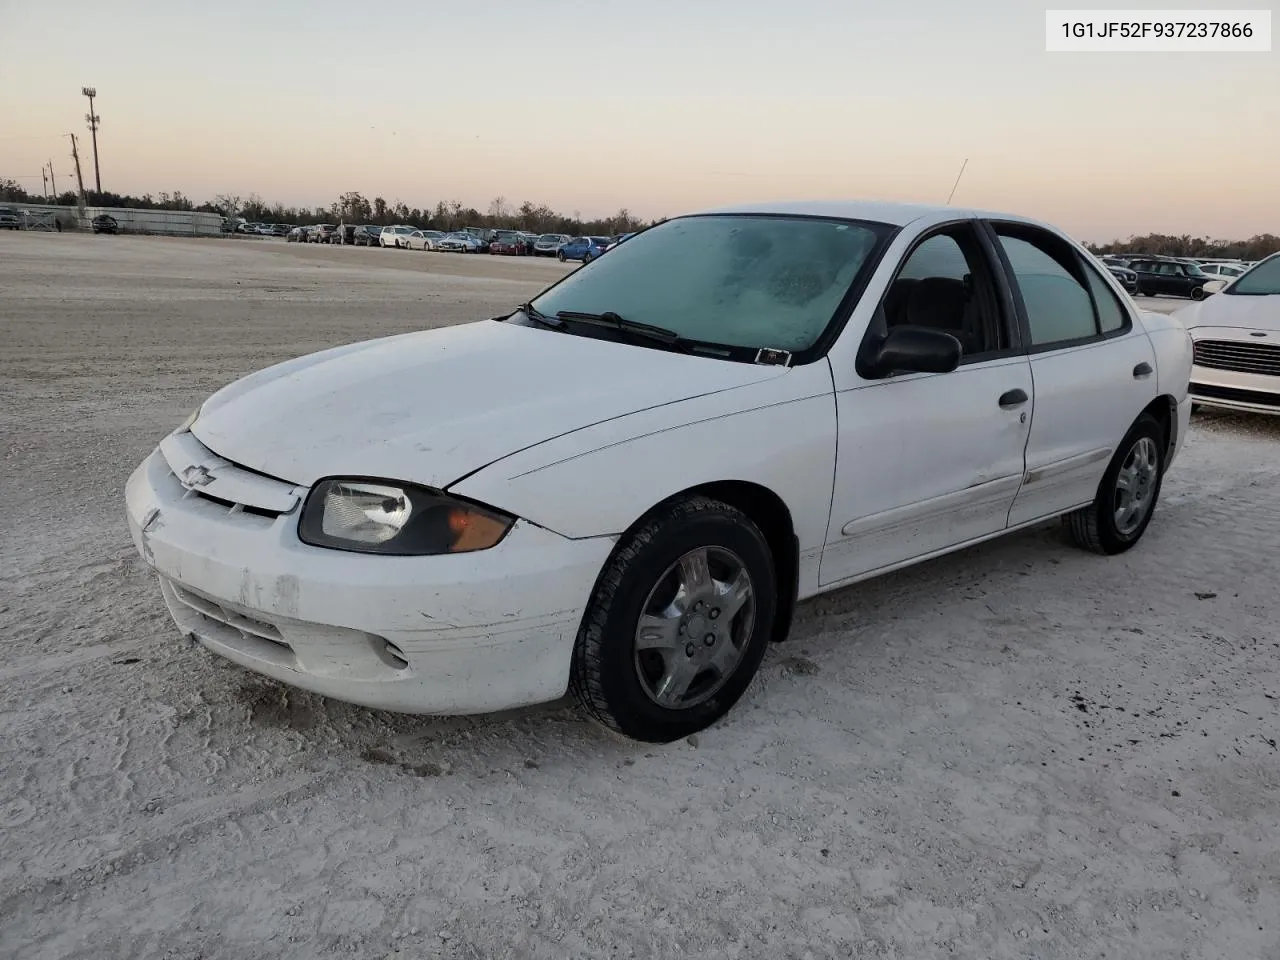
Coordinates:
(778, 434)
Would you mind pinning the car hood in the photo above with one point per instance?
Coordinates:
(1225, 310)
(434, 406)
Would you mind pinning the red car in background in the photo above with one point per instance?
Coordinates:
(510, 243)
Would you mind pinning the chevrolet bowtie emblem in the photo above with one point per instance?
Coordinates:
(197, 476)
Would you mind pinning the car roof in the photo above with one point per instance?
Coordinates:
(896, 214)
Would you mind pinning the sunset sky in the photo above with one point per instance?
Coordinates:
(660, 106)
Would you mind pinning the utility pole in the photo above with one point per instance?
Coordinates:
(75, 155)
(93, 120)
(44, 179)
(53, 181)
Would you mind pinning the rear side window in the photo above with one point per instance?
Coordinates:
(1111, 315)
(1059, 308)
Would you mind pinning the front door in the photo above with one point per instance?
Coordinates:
(928, 461)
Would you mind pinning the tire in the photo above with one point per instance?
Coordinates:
(560, 256)
(619, 685)
(1197, 293)
(1096, 527)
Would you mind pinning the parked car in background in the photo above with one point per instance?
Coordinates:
(9, 219)
(395, 236)
(301, 521)
(1128, 279)
(280, 229)
(105, 223)
(296, 235)
(366, 235)
(1165, 277)
(424, 239)
(459, 243)
(617, 240)
(582, 248)
(1223, 271)
(324, 233)
(344, 234)
(1236, 337)
(509, 242)
(549, 244)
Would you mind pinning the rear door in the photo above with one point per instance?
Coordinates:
(1092, 366)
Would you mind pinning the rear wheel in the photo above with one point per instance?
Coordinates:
(1197, 293)
(1126, 499)
(678, 622)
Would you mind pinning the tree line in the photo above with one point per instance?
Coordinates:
(354, 207)
(1255, 248)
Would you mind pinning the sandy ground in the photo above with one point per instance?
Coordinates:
(1018, 751)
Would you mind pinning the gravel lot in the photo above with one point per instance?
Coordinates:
(1017, 751)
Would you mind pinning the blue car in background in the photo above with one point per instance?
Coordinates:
(585, 249)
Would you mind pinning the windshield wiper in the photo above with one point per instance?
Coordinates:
(537, 316)
(646, 331)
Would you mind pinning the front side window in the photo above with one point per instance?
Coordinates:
(732, 280)
(945, 285)
(1262, 281)
(1059, 308)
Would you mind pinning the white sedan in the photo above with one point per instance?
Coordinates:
(1237, 342)
(458, 243)
(623, 487)
(424, 240)
(395, 237)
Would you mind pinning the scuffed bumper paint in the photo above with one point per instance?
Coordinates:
(469, 633)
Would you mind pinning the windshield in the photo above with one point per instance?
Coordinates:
(1262, 281)
(747, 281)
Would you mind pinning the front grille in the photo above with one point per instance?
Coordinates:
(246, 626)
(1239, 356)
(214, 480)
(1210, 392)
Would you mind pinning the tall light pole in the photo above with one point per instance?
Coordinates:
(93, 119)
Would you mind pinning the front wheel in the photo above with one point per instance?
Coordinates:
(1197, 293)
(1127, 495)
(678, 622)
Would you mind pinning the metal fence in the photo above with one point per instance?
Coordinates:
(179, 223)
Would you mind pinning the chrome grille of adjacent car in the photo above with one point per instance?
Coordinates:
(1239, 356)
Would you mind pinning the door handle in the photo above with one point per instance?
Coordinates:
(1142, 371)
(1013, 398)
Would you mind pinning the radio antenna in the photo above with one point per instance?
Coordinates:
(957, 183)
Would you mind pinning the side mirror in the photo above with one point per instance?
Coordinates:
(915, 350)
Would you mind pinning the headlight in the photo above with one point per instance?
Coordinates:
(382, 516)
(186, 424)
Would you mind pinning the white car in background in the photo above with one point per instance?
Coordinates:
(458, 243)
(1236, 336)
(397, 236)
(549, 244)
(764, 403)
(1223, 271)
(424, 240)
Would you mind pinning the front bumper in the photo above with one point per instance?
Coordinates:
(1246, 388)
(469, 633)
